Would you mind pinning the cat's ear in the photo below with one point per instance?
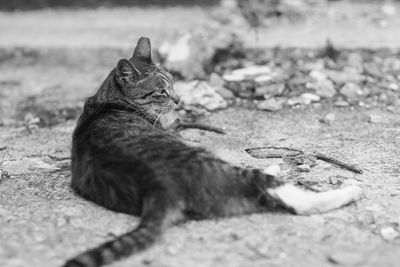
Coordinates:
(126, 72)
(143, 50)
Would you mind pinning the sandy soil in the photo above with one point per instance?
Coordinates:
(43, 222)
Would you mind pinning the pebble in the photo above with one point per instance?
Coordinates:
(341, 103)
(328, 119)
(389, 233)
(274, 170)
(334, 181)
(304, 168)
(323, 88)
(216, 80)
(225, 93)
(270, 90)
(251, 72)
(309, 98)
(373, 118)
(270, 105)
(351, 90)
(318, 75)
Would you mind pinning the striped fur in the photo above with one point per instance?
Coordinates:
(124, 160)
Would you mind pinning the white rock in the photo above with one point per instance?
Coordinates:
(252, 71)
(373, 118)
(304, 168)
(270, 105)
(199, 93)
(274, 170)
(318, 75)
(351, 90)
(216, 80)
(389, 233)
(309, 98)
(324, 88)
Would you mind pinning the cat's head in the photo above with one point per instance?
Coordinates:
(144, 84)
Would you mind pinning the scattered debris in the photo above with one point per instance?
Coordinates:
(308, 185)
(298, 156)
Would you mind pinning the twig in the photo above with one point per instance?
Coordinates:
(281, 152)
(189, 125)
(3, 148)
(58, 158)
(309, 187)
(337, 162)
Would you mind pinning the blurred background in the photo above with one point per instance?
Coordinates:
(55, 53)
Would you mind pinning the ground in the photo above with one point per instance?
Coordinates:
(60, 62)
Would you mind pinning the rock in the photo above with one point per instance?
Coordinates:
(271, 104)
(317, 75)
(341, 103)
(215, 80)
(389, 9)
(389, 233)
(225, 93)
(26, 165)
(348, 74)
(191, 53)
(347, 258)
(351, 90)
(335, 181)
(252, 72)
(324, 88)
(373, 118)
(199, 93)
(308, 98)
(304, 168)
(270, 90)
(244, 89)
(328, 119)
(274, 170)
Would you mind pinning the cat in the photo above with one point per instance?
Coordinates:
(124, 160)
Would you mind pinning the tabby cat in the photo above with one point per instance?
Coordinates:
(124, 160)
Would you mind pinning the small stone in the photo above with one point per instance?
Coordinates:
(341, 103)
(373, 118)
(346, 258)
(270, 90)
(334, 181)
(328, 119)
(225, 93)
(304, 168)
(270, 105)
(389, 233)
(324, 88)
(216, 80)
(393, 87)
(309, 98)
(351, 90)
(274, 170)
(252, 72)
(318, 75)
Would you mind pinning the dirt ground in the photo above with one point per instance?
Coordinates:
(59, 63)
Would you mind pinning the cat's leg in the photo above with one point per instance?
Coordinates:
(307, 202)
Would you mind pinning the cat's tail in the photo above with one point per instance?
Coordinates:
(156, 216)
(275, 192)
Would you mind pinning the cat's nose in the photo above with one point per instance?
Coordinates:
(174, 96)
